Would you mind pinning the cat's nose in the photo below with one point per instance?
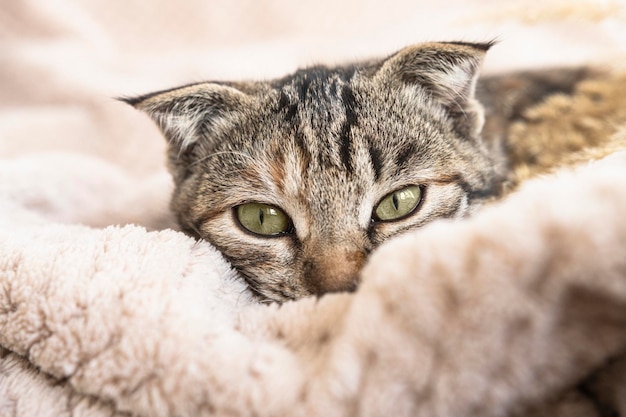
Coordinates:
(334, 271)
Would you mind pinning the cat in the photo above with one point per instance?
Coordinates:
(296, 180)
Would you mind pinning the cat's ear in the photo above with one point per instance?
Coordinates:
(448, 73)
(187, 113)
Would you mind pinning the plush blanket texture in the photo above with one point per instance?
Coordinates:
(106, 310)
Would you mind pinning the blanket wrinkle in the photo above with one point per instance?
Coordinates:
(80, 341)
(68, 196)
(53, 398)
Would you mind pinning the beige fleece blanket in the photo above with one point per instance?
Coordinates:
(507, 310)
(106, 310)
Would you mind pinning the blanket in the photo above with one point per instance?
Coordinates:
(506, 311)
(107, 310)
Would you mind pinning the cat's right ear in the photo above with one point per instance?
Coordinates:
(187, 114)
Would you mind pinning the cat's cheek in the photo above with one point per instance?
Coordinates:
(270, 265)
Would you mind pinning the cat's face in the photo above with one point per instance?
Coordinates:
(297, 180)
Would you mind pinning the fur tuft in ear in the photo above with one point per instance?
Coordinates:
(448, 71)
(184, 113)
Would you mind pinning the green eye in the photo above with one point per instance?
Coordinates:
(398, 204)
(262, 219)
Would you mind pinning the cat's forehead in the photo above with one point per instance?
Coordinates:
(335, 111)
(321, 94)
(330, 138)
(334, 129)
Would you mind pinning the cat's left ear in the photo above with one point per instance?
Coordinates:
(190, 113)
(447, 72)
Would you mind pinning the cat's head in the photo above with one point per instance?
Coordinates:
(298, 179)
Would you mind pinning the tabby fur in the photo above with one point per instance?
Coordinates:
(326, 144)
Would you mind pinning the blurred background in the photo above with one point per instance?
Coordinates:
(62, 61)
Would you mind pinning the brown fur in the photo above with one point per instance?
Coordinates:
(569, 129)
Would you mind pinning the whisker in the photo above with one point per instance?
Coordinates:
(253, 285)
(243, 292)
(195, 229)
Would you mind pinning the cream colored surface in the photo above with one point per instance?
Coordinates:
(498, 312)
(482, 317)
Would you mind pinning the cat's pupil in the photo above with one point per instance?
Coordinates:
(261, 216)
(395, 201)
